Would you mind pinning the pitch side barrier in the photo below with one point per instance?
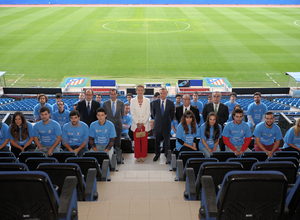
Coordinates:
(278, 91)
(30, 91)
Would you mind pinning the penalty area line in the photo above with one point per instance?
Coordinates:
(16, 79)
(272, 78)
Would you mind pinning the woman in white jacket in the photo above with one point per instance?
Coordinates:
(140, 113)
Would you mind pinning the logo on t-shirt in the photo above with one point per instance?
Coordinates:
(49, 131)
(77, 133)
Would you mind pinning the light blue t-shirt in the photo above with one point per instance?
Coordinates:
(257, 112)
(126, 120)
(102, 133)
(291, 138)
(198, 104)
(3, 133)
(55, 108)
(36, 109)
(22, 142)
(267, 135)
(175, 123)
(230, 106)
(210, 142)
(62, 118)
(75, 136)
(187, 138)
(47, 133)
(178, 105)
(237, 133)
(201, 122)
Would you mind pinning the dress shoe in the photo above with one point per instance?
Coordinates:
(155, 158)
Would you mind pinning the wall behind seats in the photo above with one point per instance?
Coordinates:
(276, 2)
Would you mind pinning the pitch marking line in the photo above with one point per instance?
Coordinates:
(188, 26)
(272, 78)
(21, 75)
(297, 23)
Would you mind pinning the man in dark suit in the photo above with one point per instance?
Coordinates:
(218, 107)
(115, 112)
(187, 106)
(163, 114)
(88, 107)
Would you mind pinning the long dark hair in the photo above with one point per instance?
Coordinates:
(216, 127)
(14, 128)
(188, 114)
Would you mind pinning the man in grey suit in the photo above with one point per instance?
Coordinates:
(115, 112)
(163, 114)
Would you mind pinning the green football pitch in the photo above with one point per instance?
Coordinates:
(250, 46)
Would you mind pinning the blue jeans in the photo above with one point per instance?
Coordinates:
(206, 153)
(80, 153)
(102, 148)
(46, 148)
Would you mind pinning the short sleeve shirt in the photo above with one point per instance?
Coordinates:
(75, 136)
(267, 135)
(47, 133)
(3, 133)
(210, 142)
(22, 142)
(257, 112)
(102, 133)
(291, 138)
(187, 138)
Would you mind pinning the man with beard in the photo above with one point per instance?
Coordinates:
(43, 99)
(256, 111)
(265, 133)
(75, 135)
(47, 133)
(237, 134)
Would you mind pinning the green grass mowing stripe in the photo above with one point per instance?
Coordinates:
(250, 30)
(10, 12)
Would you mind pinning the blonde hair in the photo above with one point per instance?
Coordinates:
(297, 128)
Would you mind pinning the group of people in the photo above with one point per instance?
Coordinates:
(97, 126)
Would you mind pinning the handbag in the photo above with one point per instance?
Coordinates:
(140, 134)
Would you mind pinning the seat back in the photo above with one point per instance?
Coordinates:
(63, 155)
(85, 163)
(286, 154)
(126, 145)
(291, 159)
(8, 160)
(195, 163)
(24, 155)
(33, 162)
(185, 155)
(13, 167)
(247, 162)
(259, 155)
(27, 195)
(293, 202)
(59, 171)
(99, 155)
(251, 195)
(222, 156)
(288, 168)
(217, 170)
(7, 154)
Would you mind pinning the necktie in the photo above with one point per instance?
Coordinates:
(113, 109)
(162, 108)
(216, 109)
(88, 108)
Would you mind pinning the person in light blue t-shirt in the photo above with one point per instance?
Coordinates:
(20, 134)
(187, 132)
(126, 121)
(231, 115)
(102, 133)
(178, 101)
(237, 134)
(196, 102)
(232, 102)
(266, 133)
(256, 111)
(99, 98)
(210, 134)
(4, 137)
(292, 138)
(174, 125)
(58, 97)
(47, 133)
(61, 116)
(43, 99)
(75, 135)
